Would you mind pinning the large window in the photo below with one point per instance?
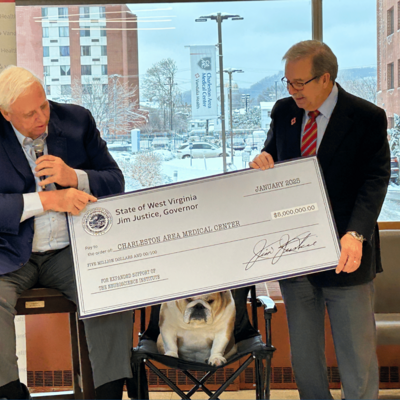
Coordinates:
(159, 103)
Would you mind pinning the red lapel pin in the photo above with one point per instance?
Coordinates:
(293, 121)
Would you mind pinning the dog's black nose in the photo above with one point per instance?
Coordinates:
(199, 306)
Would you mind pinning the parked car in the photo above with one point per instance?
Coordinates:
(161, 143)
(238, 143)
(256, 139)
(119, 146)
(193, 139)
(200, 150)
(394, 169)
(210, 139)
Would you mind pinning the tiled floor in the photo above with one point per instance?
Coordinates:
(250, 395)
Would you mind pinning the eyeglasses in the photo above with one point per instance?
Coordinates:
(296, 85)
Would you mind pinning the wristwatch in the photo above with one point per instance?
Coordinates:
(357, 236)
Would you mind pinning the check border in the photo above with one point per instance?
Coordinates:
(84, 311)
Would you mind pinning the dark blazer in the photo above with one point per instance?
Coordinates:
(355, 161)
(74, 138)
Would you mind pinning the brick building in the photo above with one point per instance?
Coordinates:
(388, 30)
(91, 46)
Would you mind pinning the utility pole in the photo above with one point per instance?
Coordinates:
(114, 78)
(219, 17)
(245, 99)
(230, 71)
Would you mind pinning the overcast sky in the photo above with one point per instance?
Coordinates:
(257, 43)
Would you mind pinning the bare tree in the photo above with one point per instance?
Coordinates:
(146, 169)
(394, 141)
(114, 105)
(159, 85)
(273, 93)
(363, 87)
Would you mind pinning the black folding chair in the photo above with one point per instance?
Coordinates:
(249, 346)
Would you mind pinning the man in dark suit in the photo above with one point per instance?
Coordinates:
(349, 137)
(34, 243)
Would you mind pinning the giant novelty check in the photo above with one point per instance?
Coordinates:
(200, 236)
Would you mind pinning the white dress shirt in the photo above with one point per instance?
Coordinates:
(326, 111)
(50, 227)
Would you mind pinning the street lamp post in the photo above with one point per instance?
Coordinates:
(230, 71)
(219, 17)
(114, 78)
(245, 99)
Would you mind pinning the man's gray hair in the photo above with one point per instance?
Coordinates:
(323, 59)
(13, 82)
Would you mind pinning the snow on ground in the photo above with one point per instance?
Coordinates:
(178, 170)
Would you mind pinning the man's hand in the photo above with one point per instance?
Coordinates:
(66, 200)
(262, 161)
(350, 256)
(56, 171)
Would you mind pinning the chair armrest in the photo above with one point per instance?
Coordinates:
(267, 303)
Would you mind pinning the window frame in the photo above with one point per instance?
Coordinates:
(390, 76)
(64, 12)
(65, 73)
(63, 29)
(390, 21)
(317, 33)
(86, 47)
(84, 67)
(60, 51)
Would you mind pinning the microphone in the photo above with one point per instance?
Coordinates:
(38, 148)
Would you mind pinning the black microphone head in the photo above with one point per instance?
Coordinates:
(38, 147)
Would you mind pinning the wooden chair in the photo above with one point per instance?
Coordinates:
(49, 301)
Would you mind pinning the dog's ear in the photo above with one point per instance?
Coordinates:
(181, 305)
(226, 297)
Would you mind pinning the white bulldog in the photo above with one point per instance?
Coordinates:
(199, 328)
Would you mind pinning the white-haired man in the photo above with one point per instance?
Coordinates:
(348, 134)
(34, 243)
